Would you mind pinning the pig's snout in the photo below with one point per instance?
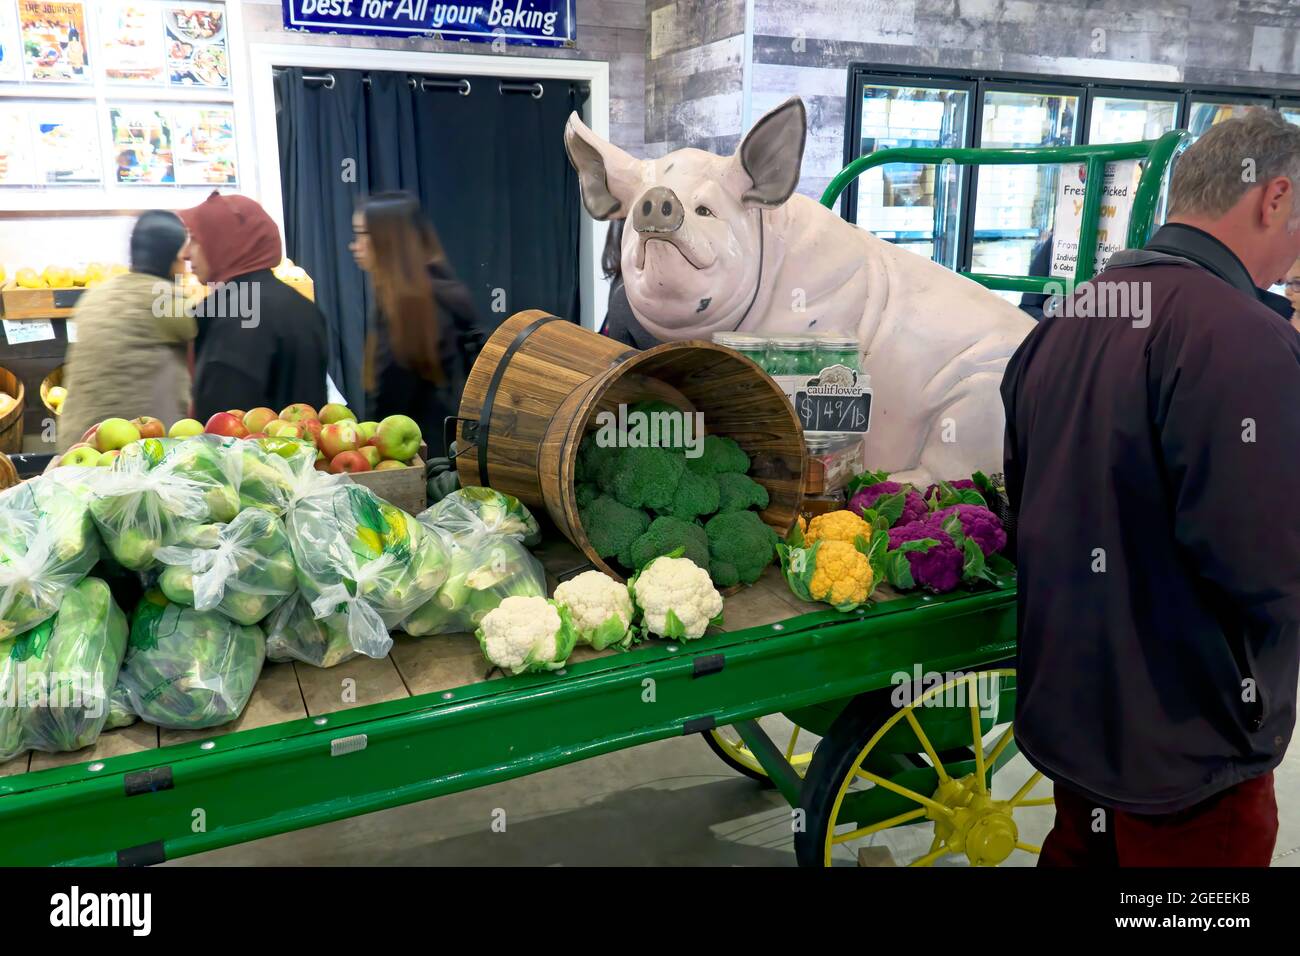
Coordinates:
(658, 211)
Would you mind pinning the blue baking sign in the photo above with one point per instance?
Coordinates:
(530, 22)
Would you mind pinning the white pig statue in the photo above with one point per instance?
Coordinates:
(723, 243)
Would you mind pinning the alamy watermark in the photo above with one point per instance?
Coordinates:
(222, 300)
(977, 689)
(634, 428)
(1100, 299)
(55, 690)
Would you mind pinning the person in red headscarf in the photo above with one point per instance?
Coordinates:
(260, 343)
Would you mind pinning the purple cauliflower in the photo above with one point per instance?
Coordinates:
(914, 506)
(940, 567)
(957, 485)
(978, 523)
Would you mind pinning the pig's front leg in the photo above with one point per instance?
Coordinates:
(965, 435)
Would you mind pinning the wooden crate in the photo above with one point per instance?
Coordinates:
(19, 303)
(403, 487)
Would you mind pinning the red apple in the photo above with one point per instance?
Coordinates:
(347, 462)
(311, 429)
(149, 427)
(224, 423)
(258, 418)
(389, 465)
(237, 412)
(371, 454)
(339, 437)
(297, 412)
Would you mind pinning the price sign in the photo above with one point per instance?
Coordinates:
(833, 409)
(20, 331)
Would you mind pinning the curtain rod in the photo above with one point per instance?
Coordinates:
(462, 85)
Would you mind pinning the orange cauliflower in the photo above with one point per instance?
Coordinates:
(841, 575)
(836, 526)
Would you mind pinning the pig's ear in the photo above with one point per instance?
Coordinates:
(607, 176)
(772, 153)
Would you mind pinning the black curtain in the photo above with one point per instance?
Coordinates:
(489, 168)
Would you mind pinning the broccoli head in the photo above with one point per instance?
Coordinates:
(665, 535)
(584, 465)
(612, 528)
(585, 492)
(740, 547)
(720, 456)
(739, 492)
(696, 495)
(647, 477)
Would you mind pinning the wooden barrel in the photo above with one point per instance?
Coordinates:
(8, 473)
(540, 382)
(11, 422)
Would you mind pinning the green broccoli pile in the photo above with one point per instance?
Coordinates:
(637, 504)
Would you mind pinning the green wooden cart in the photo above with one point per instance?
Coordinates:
(907, 701)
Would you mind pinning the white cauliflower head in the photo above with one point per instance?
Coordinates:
(526, 634)
(601, 609)
(677, 598)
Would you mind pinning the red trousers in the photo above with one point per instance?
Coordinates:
(1236, 827)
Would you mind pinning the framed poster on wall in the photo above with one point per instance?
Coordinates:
(142, 146)
(131, 37)
(204, 146)
(17, 164)
(11, 50)
(197, 51)
(65, 144)
(55, 42)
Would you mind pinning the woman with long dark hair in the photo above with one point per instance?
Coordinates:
(424, 335)
(129, 358)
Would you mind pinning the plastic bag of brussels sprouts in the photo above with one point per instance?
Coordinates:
(246, 575)
(189, 669)
(485, 567)
(138, 504)
(47, 545)
(69, 667)
(475, 510)
(294, 634)
(363, 558)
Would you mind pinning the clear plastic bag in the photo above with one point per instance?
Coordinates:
(47, 545)
(11, 727)
(188, 669)
(137, 504)
(119, 710)
(246, 575)
(70, 666)
(267, 472)
(363, 558)
(475, 509)
(484, 569)
(294, 634)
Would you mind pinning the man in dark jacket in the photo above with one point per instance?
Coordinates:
(1153, 434)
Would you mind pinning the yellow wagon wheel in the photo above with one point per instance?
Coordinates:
(731, 750)
(928, 762)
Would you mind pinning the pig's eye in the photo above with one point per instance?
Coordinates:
(703, 211)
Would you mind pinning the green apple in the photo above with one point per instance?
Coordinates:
(107, 458)
(184, 428)
(83, 455)
(388, 465)
(332, 413)
(371, 454)
(398, 437)
(368, 429)
(115, 433)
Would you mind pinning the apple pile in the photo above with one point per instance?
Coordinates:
(343, 445)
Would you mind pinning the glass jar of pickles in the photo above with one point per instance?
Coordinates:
(791, 360)
(835, 349)
(753, 347)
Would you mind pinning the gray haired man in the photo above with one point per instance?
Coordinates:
(1151, 461)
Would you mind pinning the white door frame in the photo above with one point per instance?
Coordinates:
(264, 57)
